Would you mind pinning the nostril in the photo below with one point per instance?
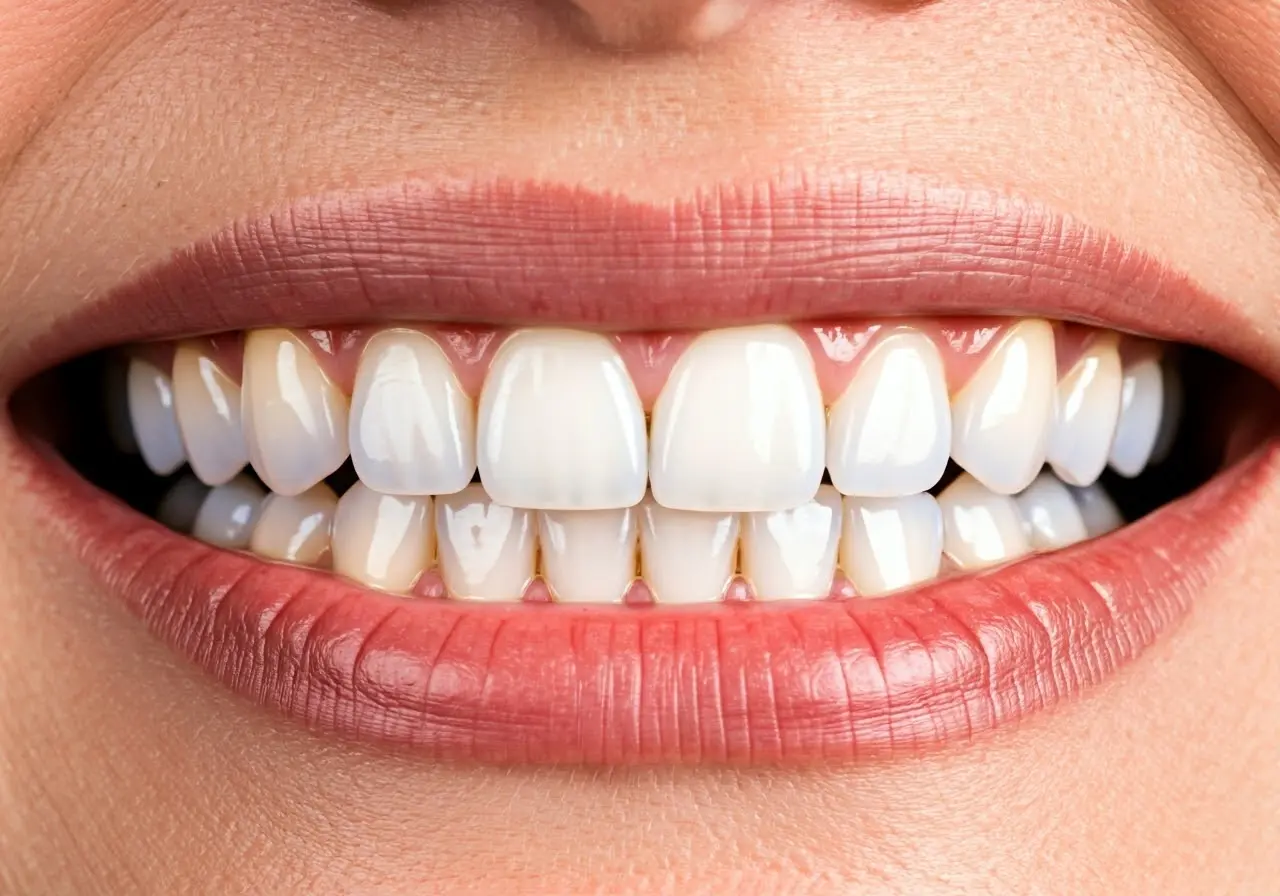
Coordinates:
(658, 24)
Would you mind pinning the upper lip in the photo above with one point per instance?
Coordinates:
(823, 680)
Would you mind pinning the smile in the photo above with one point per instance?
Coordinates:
(801, 472)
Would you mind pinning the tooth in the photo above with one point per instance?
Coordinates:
(155, 426)
(181, 503)
(588, 556)
(1052, 519)
(208, 408)
(296, 528)
(413, 429)
(792, 553)
(739, 425)
(980, 528)
(687, 556)
(1171, 415)
(116, 387)
(383, 541)
(1000, 420)
(890, 432)
(561, 426)
(891, 543)
(486, 549)
(1141, 403)
(295, 418)
(1097, 510)
(1085, 414)
(229, 513)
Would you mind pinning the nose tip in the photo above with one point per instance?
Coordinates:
(640, 24)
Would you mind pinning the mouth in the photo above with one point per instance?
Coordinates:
(807, 471)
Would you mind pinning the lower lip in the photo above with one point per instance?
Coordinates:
(792, 682)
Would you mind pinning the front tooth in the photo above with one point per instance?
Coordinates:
(739, 424)
(151, 413)
(1141, 403)
(792, 553)
(890, 432)
(229, 513)
(980, 528)
(413, 429)
(383, 541)
(296, 528)
(588, 556)
(295, 418)
(561, 426)
(1085, 414)
(1099, 512)
(486, 549)
(1052, 519)
(687, 556)
(891, 543)
(1000, 419)
(208, 406)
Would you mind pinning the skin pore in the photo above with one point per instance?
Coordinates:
(131, 127)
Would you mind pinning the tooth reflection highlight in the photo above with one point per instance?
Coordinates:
(486, 550)
(589, 556)
(891, 543)
(208, 409)
(687, 556)
(155, 424)
(383, 541)
(229, 513)
(980, 527)
(792, 553)
(296, 528)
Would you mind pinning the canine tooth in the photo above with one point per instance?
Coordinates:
(891, 543)
(1085, 414)
(792, 553)
(413, 428)
(687, 556)
(1141, 403)
(1099, 512)
(383, 541)
(208, 408)
(296, 528)
(588, 556)
(739, 424)
(1000, 420)
(155, 425)
(295, 418)
(228, 514)
(181, 503)
(560, 425)
(890, 432)
(486, 550)
(1171, 416)
(1052, 518)
(980, 528)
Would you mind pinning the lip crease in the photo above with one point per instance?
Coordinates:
(814, 681)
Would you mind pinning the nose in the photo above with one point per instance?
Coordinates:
(645, 24)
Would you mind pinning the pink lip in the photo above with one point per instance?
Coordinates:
(749, 683)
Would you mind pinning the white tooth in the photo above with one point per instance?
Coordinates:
(228, 515)
(1050, 515)
(1085, 414)
(1098, 511)
(181, 503)
(687, 556)
(383, 541)
(588, 556)
(116, 387)
(980, 528)
(890, 432)
(1171, 416)
(891, 543)
(792, 553)
(295, 418)
(561, 426)
(740, 424)
(155, 426)
(1000, 419)
(208, 407)
(413, 429)
(296, 528)
(1141, 403)
(486, 550)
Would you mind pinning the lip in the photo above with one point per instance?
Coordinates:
(832, 680)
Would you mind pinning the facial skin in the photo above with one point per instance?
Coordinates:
(130, 127)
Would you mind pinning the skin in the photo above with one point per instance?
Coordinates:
(128, 127)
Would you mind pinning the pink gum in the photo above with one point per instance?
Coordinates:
(838, 349)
